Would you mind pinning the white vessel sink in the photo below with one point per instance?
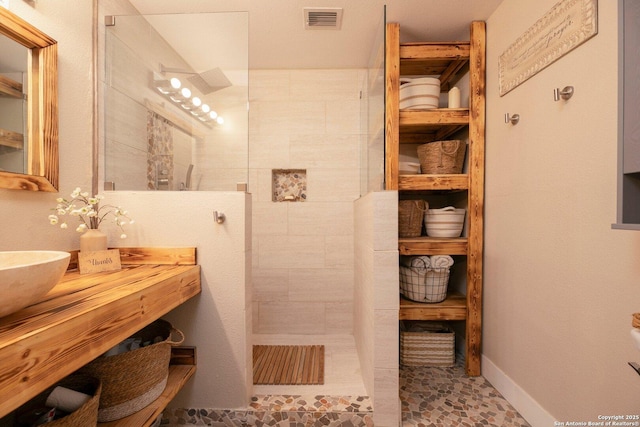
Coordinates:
(26, 276)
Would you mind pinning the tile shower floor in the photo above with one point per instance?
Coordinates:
(438, 397)
(342, 375)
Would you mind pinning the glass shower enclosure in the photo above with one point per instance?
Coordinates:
(176, 102)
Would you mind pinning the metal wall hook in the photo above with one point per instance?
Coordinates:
(565, 93)
(513, 118)
(218, 217)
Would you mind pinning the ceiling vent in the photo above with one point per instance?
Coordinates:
(322, 18)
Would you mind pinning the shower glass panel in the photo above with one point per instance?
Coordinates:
(176, 102)
(373, 117)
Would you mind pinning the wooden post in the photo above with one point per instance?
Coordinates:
(476, 197)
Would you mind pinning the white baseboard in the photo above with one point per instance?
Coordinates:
(531, 410)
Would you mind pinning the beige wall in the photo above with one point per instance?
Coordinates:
(560, 284)
(23, 214)
(218, 321)
(303, 251)
(377, 301)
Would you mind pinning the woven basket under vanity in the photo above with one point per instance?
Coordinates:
(134, 379)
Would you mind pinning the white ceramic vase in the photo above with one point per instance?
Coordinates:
(93, 240)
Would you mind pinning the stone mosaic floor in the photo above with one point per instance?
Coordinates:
(431, 397)
(281, 411)
(446, 397)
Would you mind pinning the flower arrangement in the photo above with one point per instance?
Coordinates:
(89, 212)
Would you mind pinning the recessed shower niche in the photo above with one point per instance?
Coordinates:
(289, 185)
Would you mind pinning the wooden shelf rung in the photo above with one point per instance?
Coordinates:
(10, 88)
(454, 307)
(432, 245)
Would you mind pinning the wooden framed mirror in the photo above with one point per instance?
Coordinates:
(40, 141)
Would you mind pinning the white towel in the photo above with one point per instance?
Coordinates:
(441, 261)
(415, 261)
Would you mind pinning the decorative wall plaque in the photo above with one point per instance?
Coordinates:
(566, 26)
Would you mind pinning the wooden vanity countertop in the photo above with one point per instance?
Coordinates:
(83, 316)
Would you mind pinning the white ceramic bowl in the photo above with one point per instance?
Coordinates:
(419, 93)
(26, 276)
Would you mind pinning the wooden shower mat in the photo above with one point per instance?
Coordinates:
(288, 364)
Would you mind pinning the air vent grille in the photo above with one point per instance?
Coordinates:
(322, 18)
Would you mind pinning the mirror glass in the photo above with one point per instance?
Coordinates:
(28, 106)
(176, 102)
(13, 106)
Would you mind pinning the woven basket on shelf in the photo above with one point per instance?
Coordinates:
(134, 379)
(427, 344)
(85, 415)
(410, 217)
(442, 157)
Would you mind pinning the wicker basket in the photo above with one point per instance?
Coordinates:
(86, 415)
(410, 217)
(134, 379)
(427, 344)
(442, 157)
(424, 284)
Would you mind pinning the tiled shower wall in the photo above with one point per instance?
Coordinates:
(303, 264)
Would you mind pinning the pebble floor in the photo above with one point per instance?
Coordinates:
(431, 397)
(446, 397)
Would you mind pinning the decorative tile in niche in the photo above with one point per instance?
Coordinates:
(289, 185)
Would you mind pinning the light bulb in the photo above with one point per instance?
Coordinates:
(196, 101)
(168, 86)
(220, 120)
(205, 108)
(185, 92)
(213, 115)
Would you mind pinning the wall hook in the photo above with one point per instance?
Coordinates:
(218, 217)
(565, 93)
(513, 118)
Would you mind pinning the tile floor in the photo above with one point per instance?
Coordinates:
(431, 397)
(446, 397)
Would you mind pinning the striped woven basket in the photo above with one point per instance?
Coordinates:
(427, 344)
(134, 379)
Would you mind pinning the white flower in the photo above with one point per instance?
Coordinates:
(89, 212)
